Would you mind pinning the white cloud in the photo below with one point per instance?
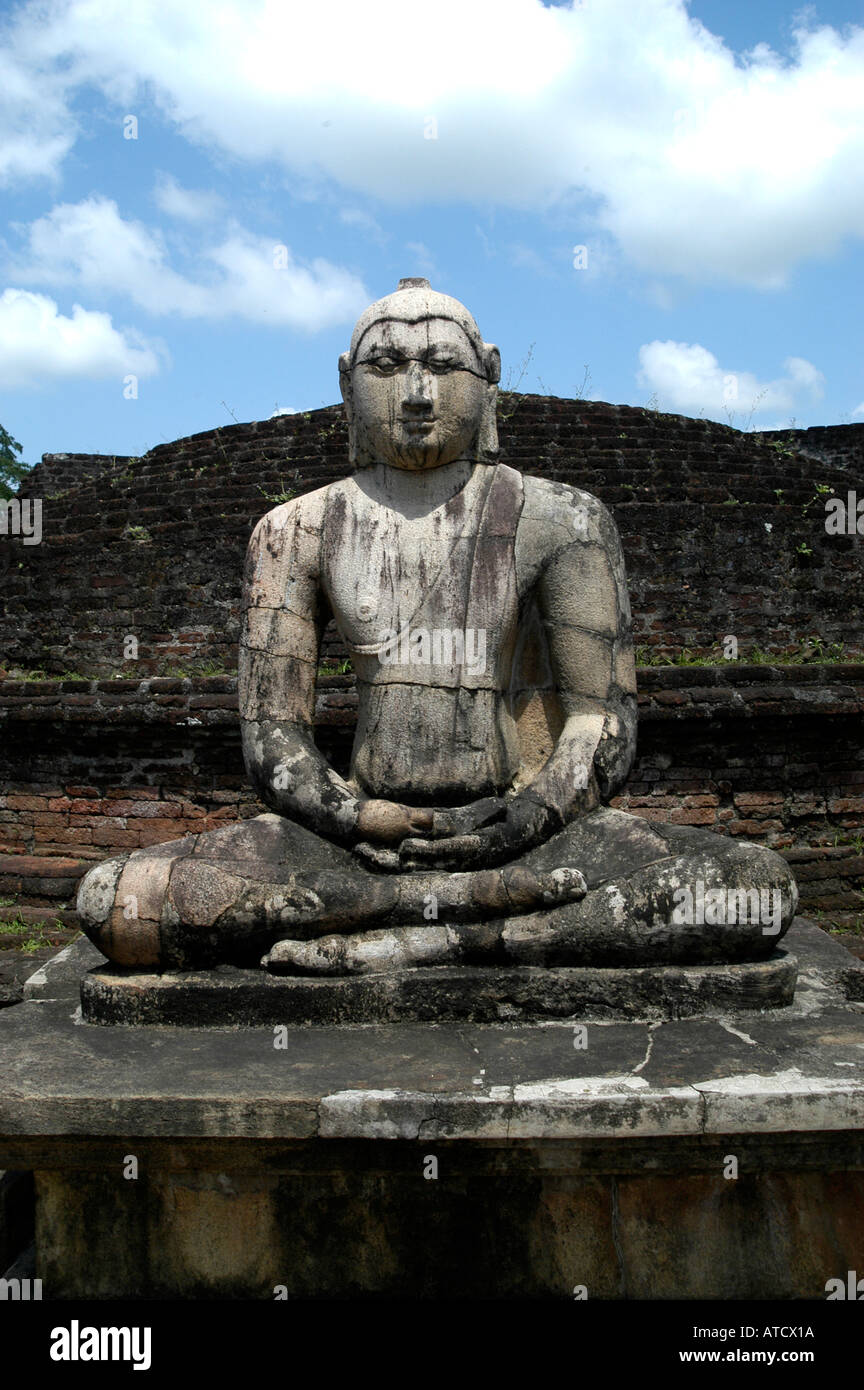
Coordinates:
(699, 162)
(36, 128)
(364, 222)
(39, 344)
(283, 410)
(859, 409)
(187, 204)
(687, 378)
(89, 245)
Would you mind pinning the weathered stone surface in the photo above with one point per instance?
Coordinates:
(305, 1167)
(58, 976)
(772, 1234)
(473, 601)
(227, 996)
(70, 1078)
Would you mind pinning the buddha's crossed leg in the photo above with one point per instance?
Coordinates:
(231, 894)
(268, 885)
(641, 878)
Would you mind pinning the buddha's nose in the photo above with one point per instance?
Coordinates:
(419, 389)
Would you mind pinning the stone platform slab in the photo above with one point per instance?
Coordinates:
(227, 997)
(703, 1157)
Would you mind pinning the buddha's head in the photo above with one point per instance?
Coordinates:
(419, 383)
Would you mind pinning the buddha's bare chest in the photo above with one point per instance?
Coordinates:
(388, 575)
(382, 570)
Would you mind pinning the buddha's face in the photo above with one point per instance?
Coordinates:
(418, 392)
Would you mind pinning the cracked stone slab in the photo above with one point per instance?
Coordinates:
(60, 976)
(798, 1069)
(583, 1106)
(569, 1108)
(784, 1100)
(397, 1114)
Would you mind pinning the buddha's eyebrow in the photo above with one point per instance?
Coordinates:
(456, 354)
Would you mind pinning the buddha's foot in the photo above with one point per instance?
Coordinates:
(431, 944)
(368, 954)
(373, 952)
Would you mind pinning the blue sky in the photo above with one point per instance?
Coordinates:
(292, 162)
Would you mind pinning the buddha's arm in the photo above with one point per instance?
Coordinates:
(283, 621)
(582, 593)
(582, 597)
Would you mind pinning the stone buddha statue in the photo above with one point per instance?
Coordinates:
(487, 618)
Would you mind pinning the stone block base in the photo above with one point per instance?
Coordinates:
(229, 997)
(438, 1220)
(708, 1157)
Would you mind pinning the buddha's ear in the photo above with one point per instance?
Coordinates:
(492, 362)
(487, 435)
(345, 386)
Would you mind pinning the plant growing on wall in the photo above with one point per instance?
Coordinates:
(12, 470)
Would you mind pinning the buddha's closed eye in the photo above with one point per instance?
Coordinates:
(386, 365)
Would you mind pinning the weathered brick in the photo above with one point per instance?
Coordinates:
(746, 801)
(58, 836)
(35, 866)
(754, 829)
(60, 888)
(121, 839)
(693, 817)
(165, 828)
(150, 833)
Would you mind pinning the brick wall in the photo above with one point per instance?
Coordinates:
(723, 532)
(768, 754)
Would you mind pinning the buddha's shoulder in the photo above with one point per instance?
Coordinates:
(563, 508)
(304, 513)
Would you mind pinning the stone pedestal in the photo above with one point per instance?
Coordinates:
(705, 1157)
(226, 996)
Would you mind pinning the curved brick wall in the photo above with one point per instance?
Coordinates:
(711, 548)
(90, 768)
(772, 754)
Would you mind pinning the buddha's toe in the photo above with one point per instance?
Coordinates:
(526, 890)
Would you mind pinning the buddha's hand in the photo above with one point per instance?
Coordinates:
(528, 821)
(461, 820)
(388, 822)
